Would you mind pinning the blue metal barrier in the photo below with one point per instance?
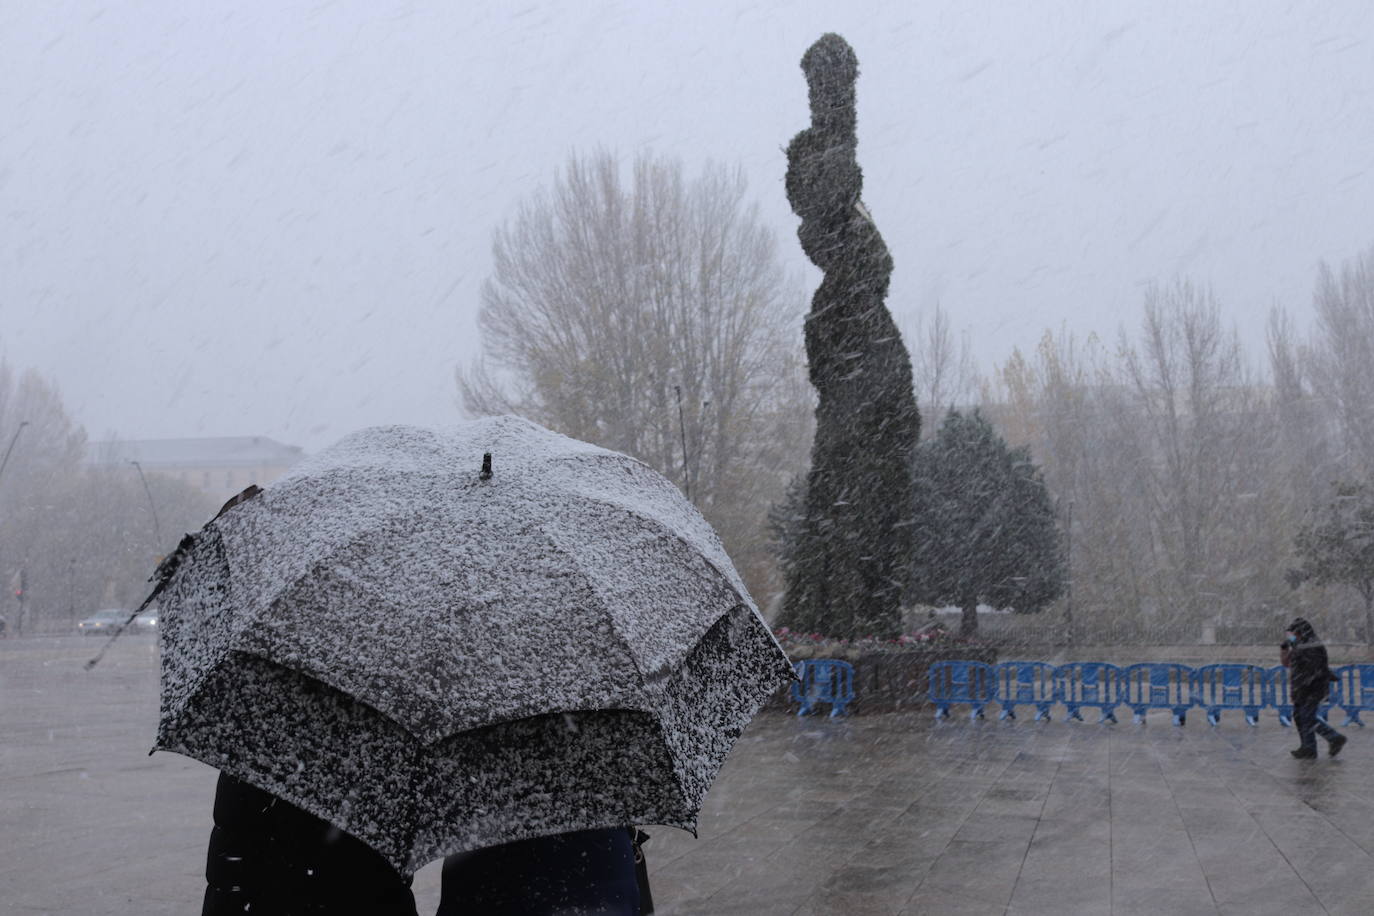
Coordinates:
(823, 680)
(1353, 692)
(1024, 683)
(1276, 694)
(1158, 685)
(961, 682)
(1095, 685)
(1230, 686)
(1142, 687)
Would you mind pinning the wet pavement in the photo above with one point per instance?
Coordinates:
(885, 814)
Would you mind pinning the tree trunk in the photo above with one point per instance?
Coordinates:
(968, 621)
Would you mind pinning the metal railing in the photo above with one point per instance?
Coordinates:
(1169, 686)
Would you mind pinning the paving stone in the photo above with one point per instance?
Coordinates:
(885, 814)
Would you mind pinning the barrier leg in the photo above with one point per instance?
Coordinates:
(1042, 712)
(1074, 714)
(976, 712)
(1180, 716)
(1251, 715)
(1008, 712)
(1213, 716)
(1352, 717)
(941, 712)
(1108, 716)
(805, 709)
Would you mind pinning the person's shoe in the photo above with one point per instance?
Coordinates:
(1337, 743)
(1304, 753)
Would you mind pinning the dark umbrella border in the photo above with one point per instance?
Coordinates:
(531, 777)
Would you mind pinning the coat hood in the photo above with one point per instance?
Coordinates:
(1303, 630)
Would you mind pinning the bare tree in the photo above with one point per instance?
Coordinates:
(1170, 465)
(653, 317)
(1307, 432)
(1343, 354)
(1060, 402)
(77, 538)
(942, 368)
(1198, 424)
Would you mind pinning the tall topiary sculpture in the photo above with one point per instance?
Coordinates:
(851, 548)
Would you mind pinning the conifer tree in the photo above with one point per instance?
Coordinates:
(1336, 547)
(852, 546)
(985, 527)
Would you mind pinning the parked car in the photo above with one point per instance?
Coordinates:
(146, 621)
(106, 621)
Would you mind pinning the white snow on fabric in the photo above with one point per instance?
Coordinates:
(417, 613)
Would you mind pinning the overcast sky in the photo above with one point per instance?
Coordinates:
(230, 218)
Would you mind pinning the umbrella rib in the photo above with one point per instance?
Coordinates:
(319, 673)
(601, 605)
(660, 527)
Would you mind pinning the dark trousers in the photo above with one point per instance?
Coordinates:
(1305, 718)
(588, 873)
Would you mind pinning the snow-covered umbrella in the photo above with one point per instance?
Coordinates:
(437, 652)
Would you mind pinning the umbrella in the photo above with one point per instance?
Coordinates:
(440, 640)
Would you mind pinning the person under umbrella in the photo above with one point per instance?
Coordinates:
(267, 856)
(585, 872)
(503, 666)
(1309, 681)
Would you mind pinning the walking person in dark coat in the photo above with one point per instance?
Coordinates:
(1309, 680)
(271, 858)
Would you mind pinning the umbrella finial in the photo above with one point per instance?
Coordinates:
(486, 467)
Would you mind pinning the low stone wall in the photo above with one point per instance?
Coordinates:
(886, 680)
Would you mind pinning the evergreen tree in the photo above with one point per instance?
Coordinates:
(985, 528)
(853, 544)
(1337, 547)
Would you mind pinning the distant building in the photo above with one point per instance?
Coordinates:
(219, 467)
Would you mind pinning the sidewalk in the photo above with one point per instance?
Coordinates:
(883, 814)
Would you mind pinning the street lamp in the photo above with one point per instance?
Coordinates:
(682, 429)
(19, 624)
(13, 439)
(157, 529)
(682, 432)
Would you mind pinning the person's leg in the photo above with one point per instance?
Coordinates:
(1305, 720)
(1334, 739)
(268, 856)
(326, 870)
(238, 875)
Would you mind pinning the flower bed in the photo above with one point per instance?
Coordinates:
(889, 675)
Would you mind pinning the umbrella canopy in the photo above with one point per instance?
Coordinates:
(437, 658)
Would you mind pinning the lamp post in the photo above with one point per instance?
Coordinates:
(157, 528)
(682, 434)
(4, 462)
(13, 440)
(682, 430)
(1068, 573)
(71, 590)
